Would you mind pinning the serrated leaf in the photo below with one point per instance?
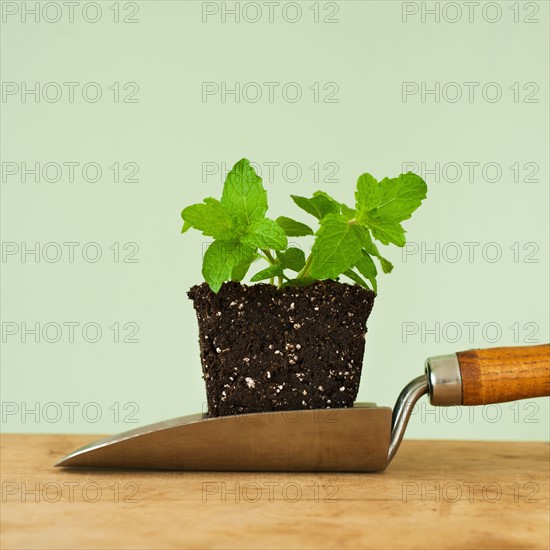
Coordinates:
(387, 232)
(220, 259)
(343, 244)
(372, 250)
(265, 233)
(368, 244)
(303, 281)
(268, 273)
(241, 269)
(367, 195)
(292, 228)
(320, 205)
(244, 194)
(210, 217)
(337, 247)
(398, 198)
(367, 269)
(356, 278)
(335, 205)
(401, 196)
(293, 258)
(387, 266)
(349, 213)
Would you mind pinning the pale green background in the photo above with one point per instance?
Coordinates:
(171, 132)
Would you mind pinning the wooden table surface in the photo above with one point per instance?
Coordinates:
(436, 494)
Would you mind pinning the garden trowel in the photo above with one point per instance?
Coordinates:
(364, 438)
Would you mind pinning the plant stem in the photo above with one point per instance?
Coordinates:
(305, 271)
(269, 257)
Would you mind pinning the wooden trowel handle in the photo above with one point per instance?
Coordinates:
(497, 375)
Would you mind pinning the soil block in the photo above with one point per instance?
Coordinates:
(267, 349)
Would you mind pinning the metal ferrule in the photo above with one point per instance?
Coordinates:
(444, 380)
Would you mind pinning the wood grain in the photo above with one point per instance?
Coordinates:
(498, 375)
(436, 494)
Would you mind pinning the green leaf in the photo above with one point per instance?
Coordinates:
(348, 212)
(401, 196)
(367, 195)
(241, 269)
(293, 258)
(325, 198)
(366, 267)
(243, 193)
(268, 273)
(292, 228)
(220, 259)
(372, 250)
(387, 266)
(210, 217)
(303, 281)
(337, 247)
(356, 278)
(265, 233)
(397, 199)
(343, 244)
(368, 244)
(320, 205)
(387, 232)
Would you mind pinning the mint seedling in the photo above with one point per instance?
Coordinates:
(344, 243)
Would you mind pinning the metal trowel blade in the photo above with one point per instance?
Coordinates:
(322, 440)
